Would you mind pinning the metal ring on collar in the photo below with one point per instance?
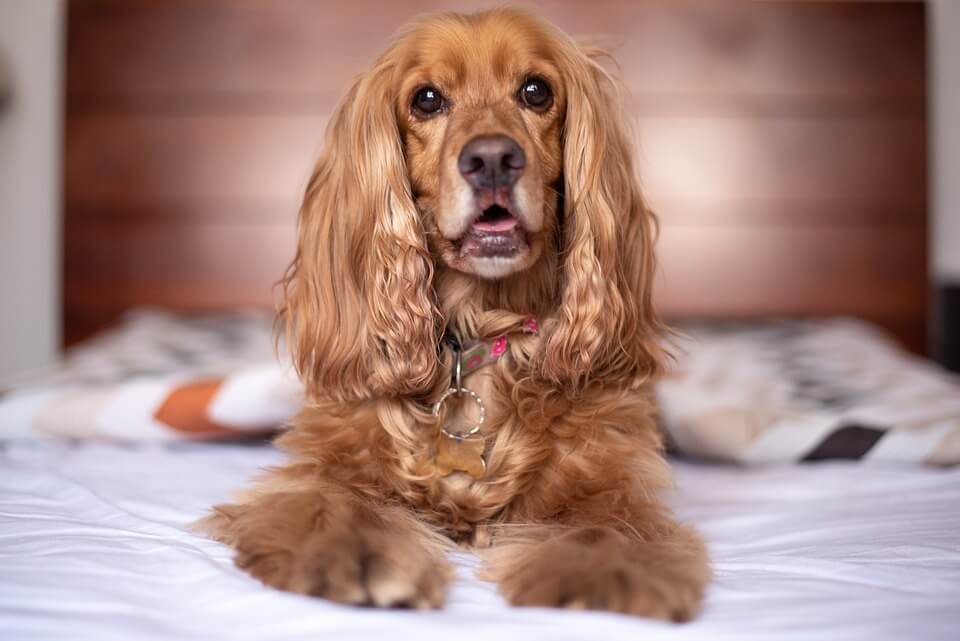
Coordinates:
(454, 391)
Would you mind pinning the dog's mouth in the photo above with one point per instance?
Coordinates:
(495, 219)
(495, 233)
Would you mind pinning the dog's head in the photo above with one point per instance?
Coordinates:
(489, 144)
(480, 108)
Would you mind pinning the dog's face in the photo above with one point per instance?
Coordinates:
(490, 145)
(480, 110)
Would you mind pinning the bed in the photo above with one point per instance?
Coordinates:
(94, 546)
(784, 145)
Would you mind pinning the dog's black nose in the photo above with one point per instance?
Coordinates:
(492, 162)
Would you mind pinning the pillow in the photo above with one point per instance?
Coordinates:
(807, 391)
(159, 376)
(743, 392)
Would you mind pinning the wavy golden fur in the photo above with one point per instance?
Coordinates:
(566, 512)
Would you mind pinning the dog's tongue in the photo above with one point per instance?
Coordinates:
(495, 219)
(505, 223)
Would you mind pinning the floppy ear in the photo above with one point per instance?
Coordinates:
(357, 303)
(606, 324)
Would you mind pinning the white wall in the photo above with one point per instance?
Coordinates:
(945, 138)
(31, 42)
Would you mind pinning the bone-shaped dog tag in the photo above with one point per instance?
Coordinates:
(460, 455)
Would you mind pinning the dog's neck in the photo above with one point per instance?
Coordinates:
(476, 308)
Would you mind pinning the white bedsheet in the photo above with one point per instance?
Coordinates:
(93, 546)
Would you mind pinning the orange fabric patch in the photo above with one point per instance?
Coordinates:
(185, 410)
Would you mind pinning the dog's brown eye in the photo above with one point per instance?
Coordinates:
(427, 102)
(536, 94)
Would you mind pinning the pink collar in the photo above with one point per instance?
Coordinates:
(476, 354)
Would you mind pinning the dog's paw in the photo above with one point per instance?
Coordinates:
(330, 546)
(370, 567)
(365, 566)
(595, 570)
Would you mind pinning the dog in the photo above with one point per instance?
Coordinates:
(469, 309)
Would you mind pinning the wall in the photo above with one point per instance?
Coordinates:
(945, 69)
(783, 144)
(30, 159)
(30, 150)
(944, 28)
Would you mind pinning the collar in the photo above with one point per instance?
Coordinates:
(475, 353)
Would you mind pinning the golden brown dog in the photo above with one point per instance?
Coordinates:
(478, 174)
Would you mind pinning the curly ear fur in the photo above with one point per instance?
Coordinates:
(357, 303)
(606, 326)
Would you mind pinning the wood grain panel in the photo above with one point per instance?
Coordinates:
(723, 272)
(205, 254)
(782, 142)
(112, 267)
(302, 53)
(842, 267)
(147, 158)
(866, 160)
(841, 164)
(732, 271)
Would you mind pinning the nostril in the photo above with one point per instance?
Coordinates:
(512, 161)
(472, 165)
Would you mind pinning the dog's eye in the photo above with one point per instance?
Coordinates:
(427, 102)
(536, 94)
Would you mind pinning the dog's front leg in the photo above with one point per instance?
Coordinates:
(312, 537)
(659, 571)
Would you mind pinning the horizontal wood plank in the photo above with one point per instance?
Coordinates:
(139, 259)
(139, 159)
(870, 161)
(847, 166)
(725, 271)
(301, 54)
(733, 271)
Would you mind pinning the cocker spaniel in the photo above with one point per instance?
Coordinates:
(470, 311)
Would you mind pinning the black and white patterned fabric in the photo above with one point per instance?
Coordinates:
(807, 391)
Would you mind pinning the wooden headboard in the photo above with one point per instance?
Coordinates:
(782, 143)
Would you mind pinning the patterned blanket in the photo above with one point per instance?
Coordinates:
(747, 393)
(808, 391)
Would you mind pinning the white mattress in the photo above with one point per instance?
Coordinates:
(93, 546)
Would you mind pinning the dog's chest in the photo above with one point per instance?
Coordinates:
(481, 490)
(460, 464)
